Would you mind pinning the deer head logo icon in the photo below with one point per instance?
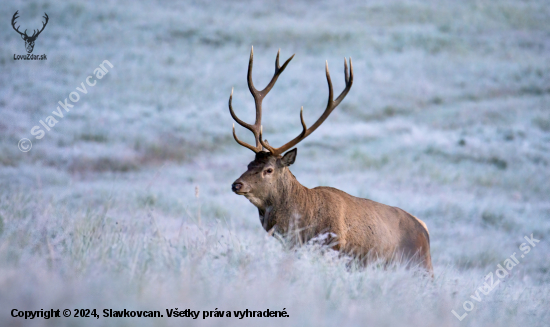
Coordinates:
(29, 40)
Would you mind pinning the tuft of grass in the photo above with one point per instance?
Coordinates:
(491, 218)
(363, 160)
(93, 137)
(498, 220)
(542, 123)
(149, 200)
(481, 259)
(499, 163)
(459, 157)
(103, 164)
(436, 100)
(386, 112)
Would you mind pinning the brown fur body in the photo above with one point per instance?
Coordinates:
(360, 227)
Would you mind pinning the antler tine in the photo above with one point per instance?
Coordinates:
(304, 127)
(349, 81)
(258, 98)
(246, 145)
(264, 143)
(346, 73)
(251, 128)
(13, 23)
(242, 123)
(278, 70)
(331, 105)
(43, 24)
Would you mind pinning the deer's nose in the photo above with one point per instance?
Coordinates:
(236, 187)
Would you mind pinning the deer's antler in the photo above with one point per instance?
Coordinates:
(331, 105)
(35, 34)
(258, 98)
(256, 129)
(13, 24)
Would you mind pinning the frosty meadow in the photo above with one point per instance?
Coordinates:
(74, 96)
(448, 118)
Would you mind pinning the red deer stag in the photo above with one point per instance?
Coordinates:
(359, 227)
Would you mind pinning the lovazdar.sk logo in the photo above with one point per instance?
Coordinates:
(29, 40)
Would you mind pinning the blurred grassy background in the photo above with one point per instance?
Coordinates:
(448, 118)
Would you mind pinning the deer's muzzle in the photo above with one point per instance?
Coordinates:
(236, 187)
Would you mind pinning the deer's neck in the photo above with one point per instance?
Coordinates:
(285, 204)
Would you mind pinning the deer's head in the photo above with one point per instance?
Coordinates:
(29, 40)
(264, 175)
(269, 170)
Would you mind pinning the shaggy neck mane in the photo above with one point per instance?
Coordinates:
(284, 203)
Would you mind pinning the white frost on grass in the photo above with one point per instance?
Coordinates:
(448, 119)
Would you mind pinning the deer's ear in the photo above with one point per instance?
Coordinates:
(289, 157)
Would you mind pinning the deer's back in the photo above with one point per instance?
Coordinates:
(363, 225)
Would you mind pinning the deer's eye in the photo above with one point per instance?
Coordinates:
(269, 171)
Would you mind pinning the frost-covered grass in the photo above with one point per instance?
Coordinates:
(448, 118)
